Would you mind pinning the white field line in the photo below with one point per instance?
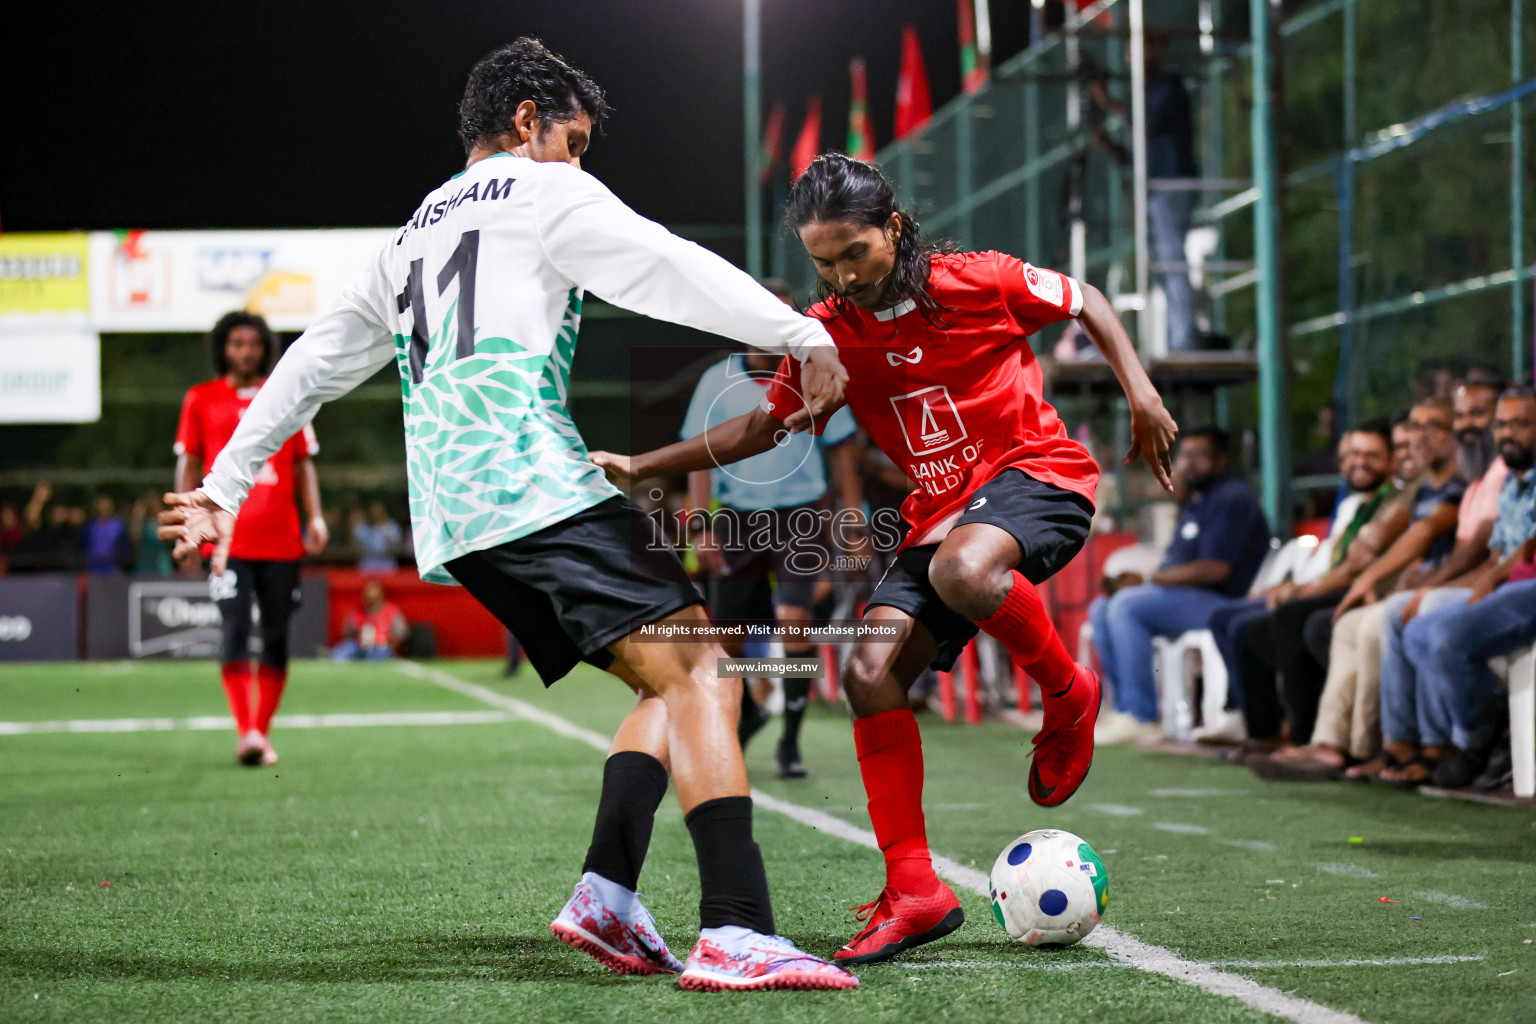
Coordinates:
(1252, 965)
(1450, 899)
(218, 723)
(1124, 948)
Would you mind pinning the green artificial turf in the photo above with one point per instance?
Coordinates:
(410, 872)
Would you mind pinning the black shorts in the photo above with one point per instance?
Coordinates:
(571, 589)
(1050, 524)
(789, 542)
(274, 589)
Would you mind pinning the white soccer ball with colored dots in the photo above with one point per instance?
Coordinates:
(1049, 888)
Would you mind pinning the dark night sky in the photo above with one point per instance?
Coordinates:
(339, 114)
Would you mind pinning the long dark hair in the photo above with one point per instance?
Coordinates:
(840, 188)
(219, 337)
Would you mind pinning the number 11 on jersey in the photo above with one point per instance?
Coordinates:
(461, 264)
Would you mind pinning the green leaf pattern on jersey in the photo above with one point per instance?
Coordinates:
(491, 451)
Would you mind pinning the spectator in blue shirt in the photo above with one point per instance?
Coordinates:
(106, 542)
(1219, 542)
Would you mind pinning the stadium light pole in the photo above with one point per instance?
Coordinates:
(1274, 383)
(751, 109)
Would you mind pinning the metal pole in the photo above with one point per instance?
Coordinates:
(1139, 167)
(963, 174)
(751, 110)
(1215, 164)
(1032, 211)
(1518, 366)
(1343, 383)
(1077, 259)
(1274, 383)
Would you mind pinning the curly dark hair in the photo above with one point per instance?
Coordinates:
(219, 337)
(837, 187)
(525, 70)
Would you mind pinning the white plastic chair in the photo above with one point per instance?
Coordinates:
(1522, 720)
(1170, 654)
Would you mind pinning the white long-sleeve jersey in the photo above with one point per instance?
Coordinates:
(478, 301)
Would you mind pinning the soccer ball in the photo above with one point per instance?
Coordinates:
(1049, 888)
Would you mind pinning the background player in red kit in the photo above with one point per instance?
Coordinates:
(268, 544)
(940, 376)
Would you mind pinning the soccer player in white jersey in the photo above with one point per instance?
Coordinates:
(477, 300)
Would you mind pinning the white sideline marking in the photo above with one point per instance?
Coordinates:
(1450, 899)
(1347, 870)
(1255, 965)
(1118, 810)
(1124, 948)
(1183, 830)
(218, 723)
(1198, 792)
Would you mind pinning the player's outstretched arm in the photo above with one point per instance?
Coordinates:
(1152, 427)
(741, 438)
(339, 351)
(605, 247)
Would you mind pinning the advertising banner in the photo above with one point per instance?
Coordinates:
(185, 280)
(174, 617)
(40, 617)
(43, 280)
(49, 375)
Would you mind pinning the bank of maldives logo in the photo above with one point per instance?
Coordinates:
(929, 420)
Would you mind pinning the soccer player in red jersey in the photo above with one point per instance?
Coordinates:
(268, 543)
(942, 379)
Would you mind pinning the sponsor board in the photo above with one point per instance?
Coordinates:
(40, 617)
(50, 376)
(185, 280)
(177, 617)
(44, 278)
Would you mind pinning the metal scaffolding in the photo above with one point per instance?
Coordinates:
(1365, 209)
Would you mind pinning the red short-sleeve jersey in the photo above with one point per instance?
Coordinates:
(268, 525)
(954, 406)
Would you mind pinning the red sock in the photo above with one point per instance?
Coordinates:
(269, 692)
(237, 687)
(1023, 626)
(890, 753)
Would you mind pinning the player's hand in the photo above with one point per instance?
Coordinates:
(618, 468)
(1152, 435)
(316, 535)
(191, 519)
(824, 378)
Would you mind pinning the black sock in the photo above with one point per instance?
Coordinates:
(797, 696)
(731, 875)
(633, 785)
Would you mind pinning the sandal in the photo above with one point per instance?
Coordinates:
(1418, 761)
(1370, 771)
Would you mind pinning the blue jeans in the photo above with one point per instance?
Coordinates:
(351, 650)
(1450, 648)
(1224, 624)
(1124, 626)
(1168, 222)
(1399, 679)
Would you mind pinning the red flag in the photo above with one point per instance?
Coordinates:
(914, 105)
(973, 75)
(772, 150)
(861, 136)
(808, 144)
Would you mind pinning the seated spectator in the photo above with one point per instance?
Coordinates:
(374, 633)
(11, 531)
(1367, 513)
(1219, 542)
(1348, 729)
(1439, 709)
(377, 538)
(1281, 675)
(107, 545)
